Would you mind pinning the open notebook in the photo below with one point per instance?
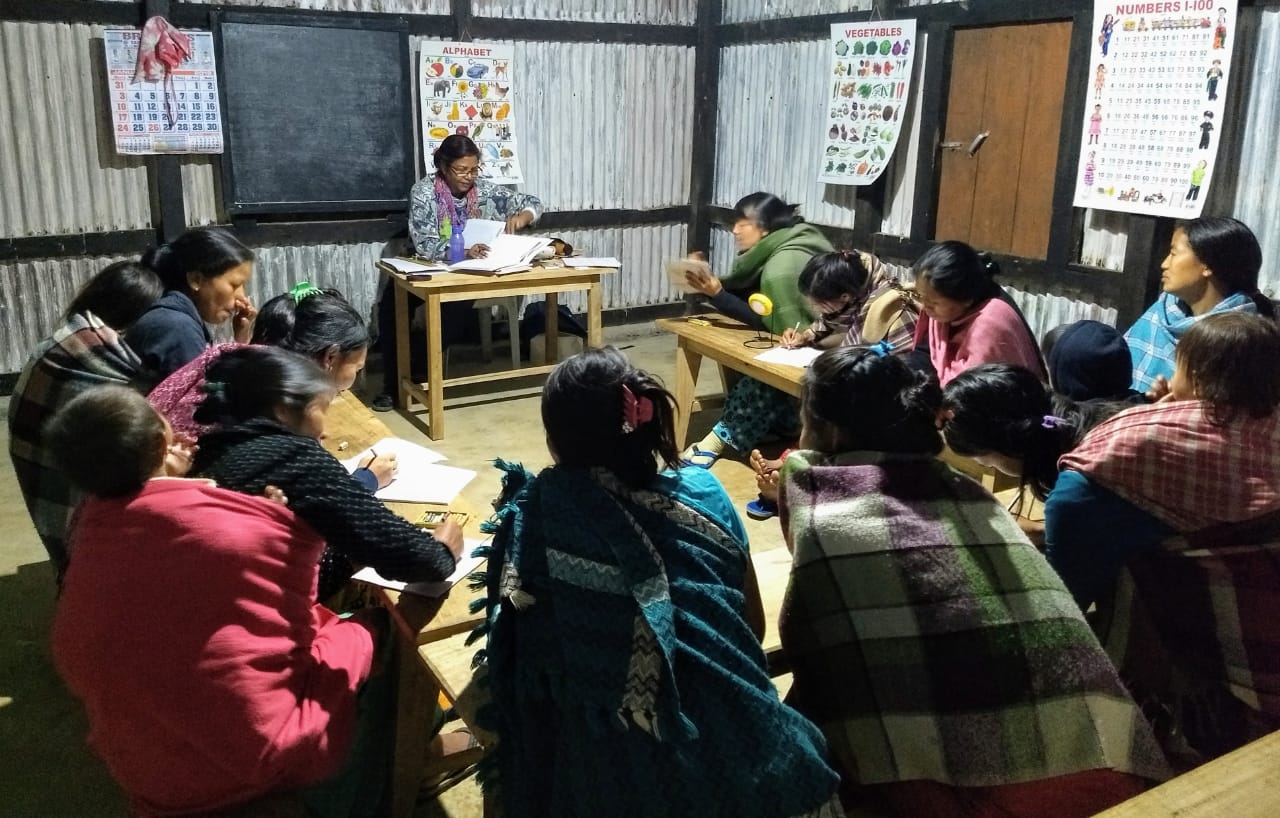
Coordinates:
(507, 254)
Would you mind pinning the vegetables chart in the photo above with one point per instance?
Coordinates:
(466, 88)
(870, 84)
(1156, 105)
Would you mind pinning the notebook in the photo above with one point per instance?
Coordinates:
(507, 254)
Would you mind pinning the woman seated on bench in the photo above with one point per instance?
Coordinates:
(188, 625)
(947, 665)
(1181, 502)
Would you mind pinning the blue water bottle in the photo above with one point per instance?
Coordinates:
(457, 252)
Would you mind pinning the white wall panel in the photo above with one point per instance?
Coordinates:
(741, 11)
(59, 172)
(642, 281)
(654, 12)
(768, 135)
(200, 191)
(385, 6)
(1044, 311)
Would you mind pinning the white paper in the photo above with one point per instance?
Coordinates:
(800, 356)
(420, 478)
(402, 265)
(870, 86)
(181, 116)
(678, 268)
(482, 231)
(506, 251)
(469, 89)
(1155, 102)
(431, 589)
(585, 261)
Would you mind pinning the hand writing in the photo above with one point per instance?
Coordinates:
(450, 534)
(383, 466)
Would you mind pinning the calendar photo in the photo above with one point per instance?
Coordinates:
(179, 114)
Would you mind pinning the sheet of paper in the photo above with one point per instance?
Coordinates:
(678, 267)
(404, 265)
(481, 231)
(420, 477)
(800, 356)
(586, 261)
(466, 565)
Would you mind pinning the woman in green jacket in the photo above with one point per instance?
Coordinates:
(774, 244)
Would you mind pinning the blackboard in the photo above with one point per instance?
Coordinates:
(317, 112)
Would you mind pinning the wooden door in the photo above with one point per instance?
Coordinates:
(1008, 81)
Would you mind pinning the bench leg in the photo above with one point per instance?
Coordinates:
(687, 365)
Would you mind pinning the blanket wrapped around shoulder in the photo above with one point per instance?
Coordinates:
(930, 640)
(623, 678)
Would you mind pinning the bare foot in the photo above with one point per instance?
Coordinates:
(767, 484)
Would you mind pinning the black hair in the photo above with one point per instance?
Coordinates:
(207, 251)
(107, 441)
(1004, 409)
(260, 382)
(311, 326)
(873, 402)
(828, 276)
(452, 148)
(119, 294)
(1230, 360)
(767, 211)
(1231, 251)
(959, 272)
(582, 411)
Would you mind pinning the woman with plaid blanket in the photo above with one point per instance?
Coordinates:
(1180, 501)
(1212, 267)
(623, 675)
(944, 660)
(86, 351)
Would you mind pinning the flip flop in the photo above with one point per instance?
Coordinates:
(761, 509)
(383, 403)
(698, 458)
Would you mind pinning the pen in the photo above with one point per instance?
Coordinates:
(374, 453)
(796, 328)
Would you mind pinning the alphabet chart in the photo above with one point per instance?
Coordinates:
(1157, 89)
(181, 116)
(467, 88)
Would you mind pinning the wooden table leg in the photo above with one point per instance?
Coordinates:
(435, 370)
(551, 330)
(687, 365)
(416, 694)
(404, 316)
(595, 333)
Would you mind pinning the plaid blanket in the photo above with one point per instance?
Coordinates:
(1153, 338)
(1196, 618)
(623, 678)
(961, 656)
(81, 354)
(1172, 460)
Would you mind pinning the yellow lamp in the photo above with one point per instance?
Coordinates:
(761, 305)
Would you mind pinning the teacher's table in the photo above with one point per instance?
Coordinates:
(418, 620)
(439, 288)
(723, 340)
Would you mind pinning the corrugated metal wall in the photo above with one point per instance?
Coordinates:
(771, 95)
(642, 250)
(653, 12)
(59, 172)
(387, 6)
(741, 11)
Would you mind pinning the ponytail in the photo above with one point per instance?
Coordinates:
(206, 251)
(260, 382)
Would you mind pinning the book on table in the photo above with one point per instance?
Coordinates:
(507, 254)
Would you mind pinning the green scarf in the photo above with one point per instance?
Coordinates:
(773, 267)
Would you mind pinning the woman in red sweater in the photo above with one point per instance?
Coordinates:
(188, 623)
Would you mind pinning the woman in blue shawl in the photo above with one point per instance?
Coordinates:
(623, 675)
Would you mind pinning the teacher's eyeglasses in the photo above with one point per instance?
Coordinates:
(465, 173)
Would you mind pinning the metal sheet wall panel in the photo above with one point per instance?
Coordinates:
(772, 96)
(900, 175)
(33, 295)
(742, 11)
(1106, 235)
(345, 267)
(653, 12)
(200, 191)
(379, 6)
(602, 125)
(1044, 311)
(59, 172)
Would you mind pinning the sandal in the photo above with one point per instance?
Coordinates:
(698, 458)
(383, 403)
(762, 509)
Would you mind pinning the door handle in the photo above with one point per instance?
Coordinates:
(974, 145)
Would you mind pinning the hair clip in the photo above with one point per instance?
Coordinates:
(215, 388)
(1053, 422)
(303, 290)
(882, 348)
(635, 411)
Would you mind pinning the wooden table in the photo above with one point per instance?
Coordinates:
(418, 620)
(444, 287)
(723, 341)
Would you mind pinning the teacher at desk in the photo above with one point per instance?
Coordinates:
(449, 197)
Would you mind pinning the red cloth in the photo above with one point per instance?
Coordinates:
(992, 334)
(161, 49)
(188, 626)
(1173, 461)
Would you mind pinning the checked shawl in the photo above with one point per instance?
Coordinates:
(1154, 337)
(624, 678)
(930, 640)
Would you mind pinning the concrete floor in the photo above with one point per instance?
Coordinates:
(48, 770)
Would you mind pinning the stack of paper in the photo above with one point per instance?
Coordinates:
(420, 478)
(507, 254)
(584, 261)
(466, 565)
(800, 356)
(411, 267)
